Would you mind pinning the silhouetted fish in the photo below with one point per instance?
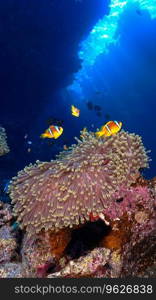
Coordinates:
(90, 105)
(99, 114)
(98, 92)
(107, 116)
(97, 107)
(54, 121)
(139, 12)
(50, 142)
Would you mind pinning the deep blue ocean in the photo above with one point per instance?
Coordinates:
(40, 44)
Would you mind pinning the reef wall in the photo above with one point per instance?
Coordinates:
(89, 213)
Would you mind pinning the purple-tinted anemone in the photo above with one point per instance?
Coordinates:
(88, 178)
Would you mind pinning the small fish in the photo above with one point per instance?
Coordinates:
(29, 149)
(75, 111)
(107, 116)
(97, 107)
(139, 12)
(65, 147)
(50, 142)
(6, 187)
(99, 114)
(90, 105)
(53, 132)
(97, 92)
(26, 135)
(29, 142)
(110, 128)
(15, 226)
(54, 121)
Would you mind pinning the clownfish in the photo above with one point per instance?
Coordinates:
(75, 111)
(53, 132)
(110, 128)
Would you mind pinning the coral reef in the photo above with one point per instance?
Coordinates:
(87, 179)
(4, 149)
(85, 266)
(89, 213)
(133, 257)
(7, 244)
(11, 270)
(44, 251)
(129, 248)
(35, 253)
(5, 213)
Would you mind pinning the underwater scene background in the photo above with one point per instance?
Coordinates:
(75, 65)
(41, 69)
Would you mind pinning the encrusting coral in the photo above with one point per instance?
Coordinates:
(85, 266)
(12, 270)
(5, 213)
(7, 244)
(4, 149)
(37, 255)
(91, 178)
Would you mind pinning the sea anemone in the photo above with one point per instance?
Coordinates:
(85, 179)
(3, 143)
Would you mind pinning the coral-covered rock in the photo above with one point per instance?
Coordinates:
(5, 213)
(86, 266)
(149, 272)
(7, 244)
(131, 241)
(11, 270)
(35, 252)
(43, 251)
(4, 149)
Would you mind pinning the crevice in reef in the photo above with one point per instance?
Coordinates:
(86, 238)
(119, 200)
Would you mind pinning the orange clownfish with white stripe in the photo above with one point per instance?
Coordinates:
(53, 132)
(110, 128)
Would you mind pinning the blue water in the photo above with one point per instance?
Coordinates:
(40, 44)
